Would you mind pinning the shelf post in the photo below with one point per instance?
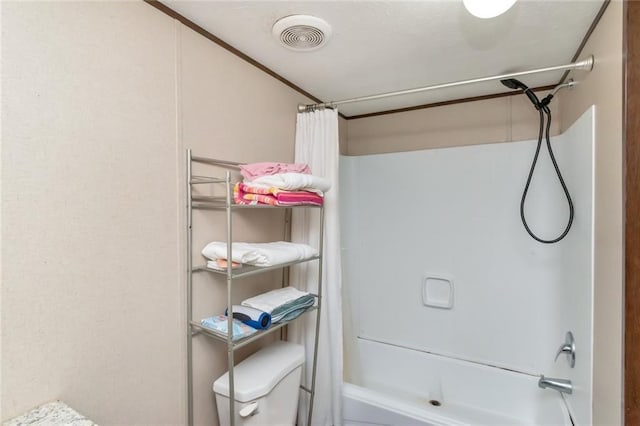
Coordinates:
(232, 394)
(189, 313)
(319, 310)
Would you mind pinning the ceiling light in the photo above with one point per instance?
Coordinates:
(487, 8)
(301, 32)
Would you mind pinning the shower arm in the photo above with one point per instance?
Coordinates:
(569, 85)
(547, 99)
(585, 64)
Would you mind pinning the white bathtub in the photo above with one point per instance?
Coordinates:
(401, 386)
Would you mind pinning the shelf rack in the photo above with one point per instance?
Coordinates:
(225, 203)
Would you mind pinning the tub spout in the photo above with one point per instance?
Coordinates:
(561, 385)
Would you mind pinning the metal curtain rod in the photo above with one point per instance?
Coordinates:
(585, 64)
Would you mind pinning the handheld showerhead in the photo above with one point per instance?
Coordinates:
(543, 108)
(514, 84)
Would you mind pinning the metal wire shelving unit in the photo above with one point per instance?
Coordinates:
(225, 203)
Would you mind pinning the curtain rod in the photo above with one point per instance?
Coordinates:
(585, 64)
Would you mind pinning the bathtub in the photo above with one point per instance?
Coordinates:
(409, 387)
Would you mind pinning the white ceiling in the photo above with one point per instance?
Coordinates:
(384, 46)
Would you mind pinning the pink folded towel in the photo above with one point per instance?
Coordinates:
(254, 170)
(247, 194)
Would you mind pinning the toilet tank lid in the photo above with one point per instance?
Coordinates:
(257, 375)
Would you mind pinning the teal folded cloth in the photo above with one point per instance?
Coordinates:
(292, 309)
(219, 324)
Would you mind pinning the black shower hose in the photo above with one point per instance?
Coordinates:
(545, 110)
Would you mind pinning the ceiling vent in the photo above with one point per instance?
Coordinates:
(302, 33)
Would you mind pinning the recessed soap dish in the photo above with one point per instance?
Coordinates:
(437, 291)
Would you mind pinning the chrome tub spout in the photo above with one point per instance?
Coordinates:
(561, 385)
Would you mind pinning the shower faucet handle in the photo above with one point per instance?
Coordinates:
(569, 349)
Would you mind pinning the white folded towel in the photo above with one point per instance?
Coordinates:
(267, 302)
(260, 254)
(294, 182)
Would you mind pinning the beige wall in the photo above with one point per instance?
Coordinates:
(342, 131)
(504, 119)
(603, 87)
(89, 201)
(99, 101)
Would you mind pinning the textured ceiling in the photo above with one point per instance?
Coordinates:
(384, 46)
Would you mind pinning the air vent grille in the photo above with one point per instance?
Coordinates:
(302, 37)
(301, 32)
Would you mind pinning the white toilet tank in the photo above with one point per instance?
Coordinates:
(267, 386)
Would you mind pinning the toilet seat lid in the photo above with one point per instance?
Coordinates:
(257, 375)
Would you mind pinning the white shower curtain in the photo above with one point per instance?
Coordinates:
(317, 145)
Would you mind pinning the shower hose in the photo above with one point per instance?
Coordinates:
(545, 110)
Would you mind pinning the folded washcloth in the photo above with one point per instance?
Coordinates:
(219, 324)
(260, 254)
(254, 170)
(294, 182)
(293, 309)
(221, 265)
(267, 302)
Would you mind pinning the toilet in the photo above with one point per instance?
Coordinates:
(267, 386)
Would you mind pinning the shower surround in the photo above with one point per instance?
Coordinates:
(437, 262)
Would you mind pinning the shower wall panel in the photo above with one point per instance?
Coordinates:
(453, 213)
